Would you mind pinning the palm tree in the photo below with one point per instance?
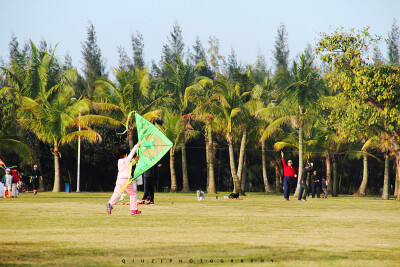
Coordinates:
(299, 104)
(244, 83)
(28, 76)
(230, 113)
(264, 92)
(173, 128)
(131, 92)
(11, 140)
(52, 116)
(205, 94)
(178, 81)
(14, 144)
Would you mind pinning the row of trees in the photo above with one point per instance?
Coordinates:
(346, 108)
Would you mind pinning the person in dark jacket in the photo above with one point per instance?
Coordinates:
(149, 177)
(315, 185)
(303, 182)
(35, 179)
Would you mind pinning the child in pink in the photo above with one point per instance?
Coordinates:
(122, 179)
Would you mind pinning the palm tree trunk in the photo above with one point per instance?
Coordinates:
(243, 178)
(328, 172)
(210, 162)
(207, 161)
(185, 185)
(363, 187)
(241, 155)
(385, 192)
(396, 184)
(278, 178)
(398, 172)
(335, 178)
(264, 168)
(130, 138)
(236, 185)
(174, 187)
(37, 154)
(296, 193)
(56, 187)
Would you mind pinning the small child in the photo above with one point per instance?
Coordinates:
(7, 180)
(324, 188)
(122, 178)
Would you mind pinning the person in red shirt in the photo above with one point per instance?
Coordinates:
(288, 174)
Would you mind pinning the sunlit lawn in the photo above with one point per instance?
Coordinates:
(260, 230)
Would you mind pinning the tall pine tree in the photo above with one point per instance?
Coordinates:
(199, 55)
(213, 51)
(94, 64)
(137, 48)
(260, 71)
(393, 43)
(231, 64)
(281, 50)
(124, 62)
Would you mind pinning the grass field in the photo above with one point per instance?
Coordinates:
(73, 229)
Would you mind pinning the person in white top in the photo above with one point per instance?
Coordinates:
(122, 178)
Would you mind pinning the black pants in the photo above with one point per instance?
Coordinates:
(148, 187)
(35, 183)
(303, 186)
(286, 186)
(316, 188)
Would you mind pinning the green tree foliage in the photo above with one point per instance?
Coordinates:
(130, 92)
(377, 86)
(299, 103)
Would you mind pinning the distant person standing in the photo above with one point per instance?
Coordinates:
(7, 180)
(288, 173)
(315, 185)
(15, 183)
(303, 182)
(324, 183)
(35, 179)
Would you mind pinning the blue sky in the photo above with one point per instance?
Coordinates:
(249, 27)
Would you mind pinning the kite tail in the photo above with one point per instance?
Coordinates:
(127, 122)
(11, 167)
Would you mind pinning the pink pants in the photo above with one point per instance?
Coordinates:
(121, 182)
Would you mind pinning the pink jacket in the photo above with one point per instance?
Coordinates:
(123, 164)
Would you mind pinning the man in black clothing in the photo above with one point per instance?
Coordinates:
(303, 182)
(149, 177)
(35, 179)
(315, 185)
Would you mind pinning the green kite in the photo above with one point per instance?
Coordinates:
(154, 146)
